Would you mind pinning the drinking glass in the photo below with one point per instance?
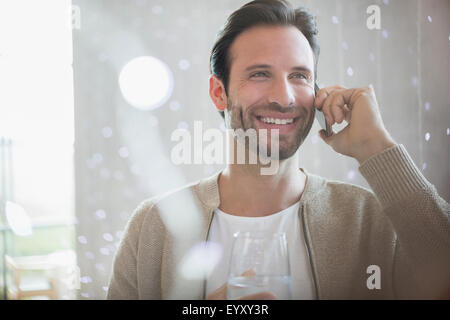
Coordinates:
(259, 263)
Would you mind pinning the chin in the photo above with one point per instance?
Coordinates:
(284, 152)
(288, 153)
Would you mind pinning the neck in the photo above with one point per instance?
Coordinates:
(244, 191)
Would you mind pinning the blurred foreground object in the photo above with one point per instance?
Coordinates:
(60, 276)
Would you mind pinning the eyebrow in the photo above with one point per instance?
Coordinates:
(268, 66)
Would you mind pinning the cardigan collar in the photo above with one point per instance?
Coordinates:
(209, 189)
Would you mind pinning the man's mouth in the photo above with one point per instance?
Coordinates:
(284, 123)
(277, 120)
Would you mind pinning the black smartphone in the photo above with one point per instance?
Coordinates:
(320, 116)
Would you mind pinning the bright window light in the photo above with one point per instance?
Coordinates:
(18, 219)
(36, 104)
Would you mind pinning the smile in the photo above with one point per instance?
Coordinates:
(277, 121)
(284, 123)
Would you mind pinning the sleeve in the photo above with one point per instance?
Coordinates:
(123, 282)
(420, 217)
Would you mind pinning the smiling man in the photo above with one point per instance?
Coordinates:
(263, 71)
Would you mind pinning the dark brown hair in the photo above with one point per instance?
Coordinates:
(260, 12)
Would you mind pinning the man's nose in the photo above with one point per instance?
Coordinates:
(282, 93)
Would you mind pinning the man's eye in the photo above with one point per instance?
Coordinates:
(300, 76)
(259, 74)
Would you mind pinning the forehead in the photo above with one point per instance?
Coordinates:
(275, 45)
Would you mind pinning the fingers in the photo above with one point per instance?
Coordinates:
(323, 93)
(332, 108)
(249, 273)
(331, 102)
(335, 106)
(221, 292)
(218, 294)
(264, 295)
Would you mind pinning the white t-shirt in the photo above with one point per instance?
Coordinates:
(225, 225)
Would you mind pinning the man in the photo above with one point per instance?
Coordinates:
(264, 66)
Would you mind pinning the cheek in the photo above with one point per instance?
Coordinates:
(239, 102)
(305, 97)
(248, 95)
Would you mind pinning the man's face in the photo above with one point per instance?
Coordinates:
(272, 80)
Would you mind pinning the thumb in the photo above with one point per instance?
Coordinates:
(328, 140)
(218, 294)
(221, 292)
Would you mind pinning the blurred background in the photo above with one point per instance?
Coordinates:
(92, 90)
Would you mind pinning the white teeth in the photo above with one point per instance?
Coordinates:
(277, 121)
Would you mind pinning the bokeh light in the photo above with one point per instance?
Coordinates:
(201, 260)
(146, 82)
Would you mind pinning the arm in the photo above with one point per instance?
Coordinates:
(123, 282)
(420, 218)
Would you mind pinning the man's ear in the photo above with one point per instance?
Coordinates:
(217, 93)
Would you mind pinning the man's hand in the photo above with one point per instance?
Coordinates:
(221, 292)
(365, 134)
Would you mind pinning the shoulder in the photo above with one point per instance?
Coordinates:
(335, 191)
(349, 206)
(348, 189)
(151, 206)
(183, 207)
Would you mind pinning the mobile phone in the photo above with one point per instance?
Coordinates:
(320, 116)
